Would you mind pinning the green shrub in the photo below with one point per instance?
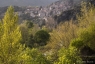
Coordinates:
(78, 43)
(41, 37)
(69, 56)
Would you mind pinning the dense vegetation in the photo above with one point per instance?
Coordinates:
(27, 43)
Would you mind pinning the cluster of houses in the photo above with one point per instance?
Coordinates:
(41, 12)
(54, 9)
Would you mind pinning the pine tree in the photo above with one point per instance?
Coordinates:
(10, 37)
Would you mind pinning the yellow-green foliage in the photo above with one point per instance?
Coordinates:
(67, 31)
(67, 35)
(78, 34)
(62, 35)
(85, 38)
(87, 16)
(11, 51)
(69, 56)
(10, 38)
(33, 56)
(86, 31)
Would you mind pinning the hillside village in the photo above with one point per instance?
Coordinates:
(49, 15)
(41, 12)
(53, 9)
(60, 33)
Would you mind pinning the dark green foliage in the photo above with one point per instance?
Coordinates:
(87, 51)
(26, 31)
(30, 42)
(29, 24)
(41, 37)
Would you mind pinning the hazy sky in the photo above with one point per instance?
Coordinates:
(26, 2)
(31, 2)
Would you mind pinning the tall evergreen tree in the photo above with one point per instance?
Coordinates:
(10, 36)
